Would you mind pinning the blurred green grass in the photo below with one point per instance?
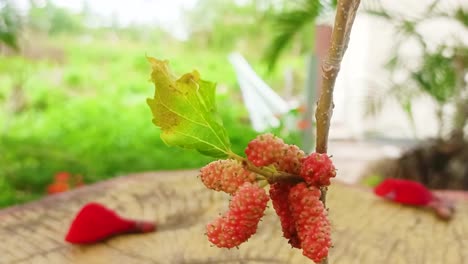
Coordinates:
(87, 114)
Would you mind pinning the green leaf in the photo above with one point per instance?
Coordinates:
(185, 111)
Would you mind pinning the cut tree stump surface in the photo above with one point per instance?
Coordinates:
(365, 229)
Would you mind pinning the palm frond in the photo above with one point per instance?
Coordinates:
(462, 16)
(375, 8)
(9, 25)
(288, 24)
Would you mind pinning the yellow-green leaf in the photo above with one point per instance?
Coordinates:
(184, 108)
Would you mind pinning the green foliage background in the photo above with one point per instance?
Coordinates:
(81, 105)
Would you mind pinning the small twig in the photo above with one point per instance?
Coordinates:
(285, 177)
(345, 14)
(346, 11)
(268, 173)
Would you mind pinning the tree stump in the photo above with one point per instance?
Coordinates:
(365, 229)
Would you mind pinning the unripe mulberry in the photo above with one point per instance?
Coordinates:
(225, 175)
(279, 193)
(317, 169)
(240, 222)
(264, 150)
(290, 160)
(312, 224)
(268, 149)
(317, 241)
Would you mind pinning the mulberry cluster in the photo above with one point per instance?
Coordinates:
(303, 217)
(240, 222)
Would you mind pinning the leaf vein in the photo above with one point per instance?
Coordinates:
(201, 114)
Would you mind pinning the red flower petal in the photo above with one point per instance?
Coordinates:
(404, 192)
(95, 222)
(62, 176)
(57, 187)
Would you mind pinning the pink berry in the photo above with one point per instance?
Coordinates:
(268, 149)
(264, 149)
(290, 160)
(317, 169)
(279, 193)
(312, 225)
(240, 222)
(317, 241)
(225, 175)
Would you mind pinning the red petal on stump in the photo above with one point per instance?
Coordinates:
(95, 222)
(404, 192)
